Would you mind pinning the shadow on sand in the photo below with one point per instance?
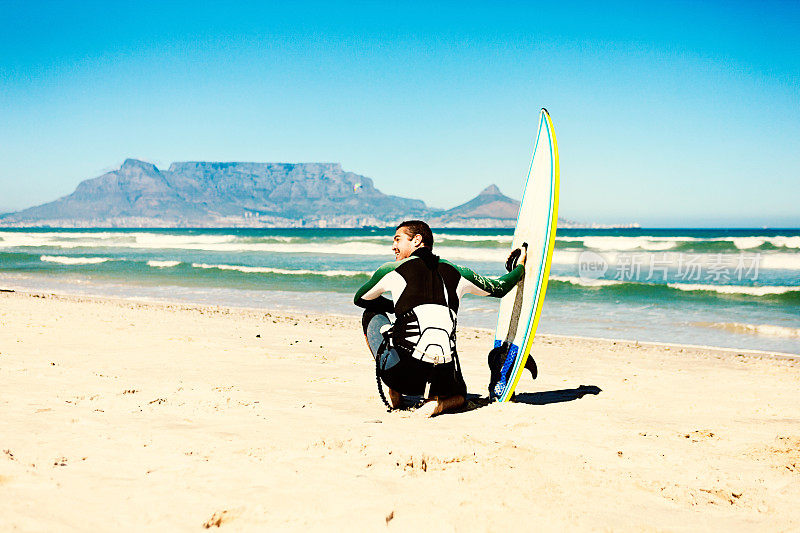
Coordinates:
(556, 396)
(475, 401)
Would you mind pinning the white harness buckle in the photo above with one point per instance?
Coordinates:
(436, 359)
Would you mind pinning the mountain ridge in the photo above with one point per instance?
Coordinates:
(206, 194)
(251, 194)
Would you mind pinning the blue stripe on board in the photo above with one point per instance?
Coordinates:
(511, 356)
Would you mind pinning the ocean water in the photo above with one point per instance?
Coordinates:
(718, 287)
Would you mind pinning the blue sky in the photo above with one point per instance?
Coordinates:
(669, 114)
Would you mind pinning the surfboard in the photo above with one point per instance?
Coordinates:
(521, 308)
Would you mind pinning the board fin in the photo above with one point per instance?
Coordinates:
(530, 364)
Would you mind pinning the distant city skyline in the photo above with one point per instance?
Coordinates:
(677, 114)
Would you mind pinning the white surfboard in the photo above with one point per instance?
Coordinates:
(521, 308)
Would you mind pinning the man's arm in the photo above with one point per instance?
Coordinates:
(474, 283)
(369, 295)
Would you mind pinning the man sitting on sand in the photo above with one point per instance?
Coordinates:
(416, 354)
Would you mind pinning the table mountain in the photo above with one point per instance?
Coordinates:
(207, 194)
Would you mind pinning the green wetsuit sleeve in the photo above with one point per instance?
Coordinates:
(497, 287)
(379, 303)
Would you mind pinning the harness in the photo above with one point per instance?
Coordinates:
(434, 345)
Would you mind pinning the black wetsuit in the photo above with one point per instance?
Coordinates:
(423, 310)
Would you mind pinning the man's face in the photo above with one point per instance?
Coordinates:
(404, 244)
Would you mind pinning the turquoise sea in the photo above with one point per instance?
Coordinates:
(719, 287)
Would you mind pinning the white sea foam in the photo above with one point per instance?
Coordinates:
(614, 243)
(74, 260)
(158, 240)
(649, 242)
(586, 282)
(438, 237)
(734, 289)
(619, 243)
(745, 243)
(291, 272)
(769, 330)
(64, 240)
(780, 261)
(111, 240)
(163, 264)
(275, 238)
(688, 287)
(788, 242)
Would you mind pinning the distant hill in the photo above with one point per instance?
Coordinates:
(205, 194)
(490, 209)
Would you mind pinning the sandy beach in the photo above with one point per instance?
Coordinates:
(118, 415)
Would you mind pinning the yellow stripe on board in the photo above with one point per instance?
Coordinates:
(550, 246)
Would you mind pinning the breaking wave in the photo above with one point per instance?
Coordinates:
(734, 289)
(284, 271)
(163, 264)
(74, 260)
(783, 294)
(768, 330)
